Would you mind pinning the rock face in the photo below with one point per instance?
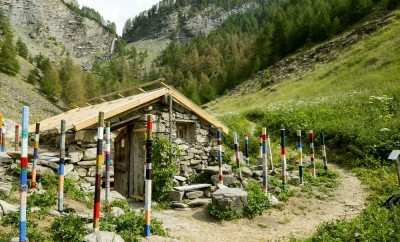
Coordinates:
(51, 28)
(230, 199)
(183, 22)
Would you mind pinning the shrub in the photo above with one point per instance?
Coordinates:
(130, 226)
(45, 199)
(22, 49)
(221, 213)
(257, 201)
(165, 166)
(68, 228)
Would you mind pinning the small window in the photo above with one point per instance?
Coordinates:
(185, 131)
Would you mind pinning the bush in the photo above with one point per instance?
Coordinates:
(221, 213)
(257, 201)
(45, 199)
(68, 228)
(22, 49)
(130, 226)
(165, 166)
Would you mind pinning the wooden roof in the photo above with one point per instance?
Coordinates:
(85, 117)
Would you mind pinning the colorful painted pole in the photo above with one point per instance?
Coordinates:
(108, 163)
(1, 133)
(16, 139)
(265, 160)
(23, 175)
(237, 153)
(300, 150)
(3, 138)
(35, 155)
(219, 143)
(99, 164)
(246, 149)
(61, 168)
(261, 148)
(283, 157)
(311, 138)
(148, 175)
(270, 153)
(324, 158)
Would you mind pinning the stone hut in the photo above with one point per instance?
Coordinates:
(175, 117)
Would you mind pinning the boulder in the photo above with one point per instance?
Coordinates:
(230, 199)
(257, 173)
(82, 172)
(176, 195)
(5, 188)
(87, 163)
(75, 156)
(117, 212)
(92, 172)
(273, 200)
(226, 169)
(199, 202)
(194, 194)
(179, 205)
(7, 208)
(90, 154)
(44, 170)
(103, 236)
(228, 180)
(192, 187)
(246, 172)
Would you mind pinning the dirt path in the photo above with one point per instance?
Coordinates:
(299, 217)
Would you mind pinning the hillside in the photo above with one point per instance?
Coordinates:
(153, 30)
(323, 72)
(54, 29)
(15, 93)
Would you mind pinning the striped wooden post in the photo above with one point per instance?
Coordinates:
(2, 135)
(61, 168)
(35, 155)
(265, 159)
(23, 175)
(219, 143)
(300, 150)
(16, 139)
(237, 153)
(261, 148)
(283, 157)
(324, 157)
(148, 176)
(99, 165)
(1, 132)
(271, 160)
(108, 163)
(311, 138)
(246, 149)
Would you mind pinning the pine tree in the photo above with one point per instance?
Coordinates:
(22, 49)
(8, 56)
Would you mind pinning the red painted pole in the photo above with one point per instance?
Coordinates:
(311, 137)
(99, 164)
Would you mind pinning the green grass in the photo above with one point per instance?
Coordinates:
(355, 100)
(370, 67)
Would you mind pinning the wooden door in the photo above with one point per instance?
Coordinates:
(121, 163)
(138, 158)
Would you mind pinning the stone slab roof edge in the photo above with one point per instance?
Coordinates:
(84, 117)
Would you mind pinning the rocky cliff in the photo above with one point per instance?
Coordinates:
(181, 23)
(52, 28)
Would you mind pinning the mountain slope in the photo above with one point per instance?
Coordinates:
(15, 93)
(333, 69)
(52, 28)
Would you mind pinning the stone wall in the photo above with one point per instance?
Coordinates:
(81, 145)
